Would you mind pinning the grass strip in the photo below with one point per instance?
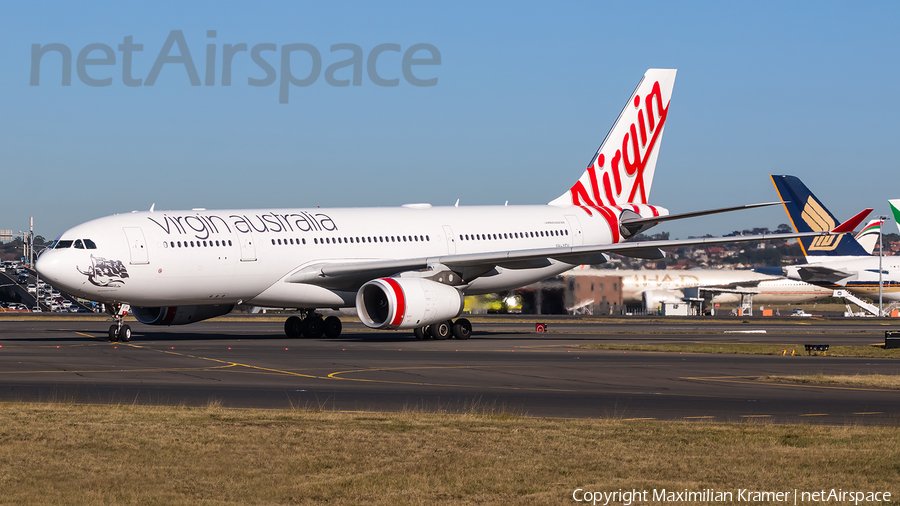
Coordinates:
(78, 454)
(862, 380)
(872, 351)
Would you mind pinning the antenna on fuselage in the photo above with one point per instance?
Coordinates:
(152, 206)
(456, 204)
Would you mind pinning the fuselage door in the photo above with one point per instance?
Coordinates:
(575, 227)
(248, 249)
(451, 241)
(137, 247)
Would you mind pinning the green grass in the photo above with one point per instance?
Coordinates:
(750, 349)
(74, 454)
(885, 381)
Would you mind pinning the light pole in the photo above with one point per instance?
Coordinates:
(880, 270)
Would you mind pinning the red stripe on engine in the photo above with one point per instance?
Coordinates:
(170, 314)
(401, 301)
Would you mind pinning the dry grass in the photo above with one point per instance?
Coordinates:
(751, 349)
(74, 454)
(867, 380)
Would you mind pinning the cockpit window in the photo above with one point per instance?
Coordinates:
(79, 244)
(89, 244)
(63, 244)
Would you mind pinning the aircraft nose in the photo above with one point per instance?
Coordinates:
(50, 267)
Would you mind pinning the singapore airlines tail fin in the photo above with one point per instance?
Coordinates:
(621, 171)
(808, 214)
(868, 236)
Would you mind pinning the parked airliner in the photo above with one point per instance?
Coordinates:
(402, 268)
(652, 287)
(837, 262)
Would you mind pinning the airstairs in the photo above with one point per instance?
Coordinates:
(846, 295)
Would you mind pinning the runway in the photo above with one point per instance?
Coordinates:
(504, 367)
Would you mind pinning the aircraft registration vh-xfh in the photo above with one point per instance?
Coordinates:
(402, 268)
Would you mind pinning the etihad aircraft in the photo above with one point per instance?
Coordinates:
(837, 261)
(652, 287)
(407, 267)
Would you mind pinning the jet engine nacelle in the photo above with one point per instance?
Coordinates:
(406, 303)
(179, 315)
(653, 298)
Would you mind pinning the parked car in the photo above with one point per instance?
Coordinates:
(67, 304)
(36, 309)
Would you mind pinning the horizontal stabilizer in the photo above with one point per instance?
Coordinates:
(821, 274)
(852, 223)
(638, 224)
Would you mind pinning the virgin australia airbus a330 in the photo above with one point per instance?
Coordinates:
(402, 268)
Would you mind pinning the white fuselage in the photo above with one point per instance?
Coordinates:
(233, 256)
(770, 289)
(863, 280)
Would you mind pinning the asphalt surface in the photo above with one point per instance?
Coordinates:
(505, 366)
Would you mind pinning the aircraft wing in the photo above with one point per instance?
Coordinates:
(351, 274)
(821, 274)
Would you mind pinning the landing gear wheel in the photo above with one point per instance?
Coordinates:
(315, 327)
(440, 330)
(419, 332)
(125, 334)
(292, 326)
(426, 332)
(333, 327)
(113, 333)
(462, 329)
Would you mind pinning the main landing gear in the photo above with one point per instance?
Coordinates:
(313, 326)
(118, 331)
(460, 329)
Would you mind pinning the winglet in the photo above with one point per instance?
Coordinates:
(852, 223)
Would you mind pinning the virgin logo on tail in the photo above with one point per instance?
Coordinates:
(629, 161)
(621, 171)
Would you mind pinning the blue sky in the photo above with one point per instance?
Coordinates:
(525, 94)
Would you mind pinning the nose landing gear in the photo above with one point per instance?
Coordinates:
(118, 331)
